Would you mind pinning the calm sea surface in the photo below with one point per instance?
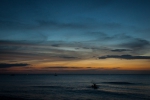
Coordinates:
(74, 87)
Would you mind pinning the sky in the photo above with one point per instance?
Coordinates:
(75, 36)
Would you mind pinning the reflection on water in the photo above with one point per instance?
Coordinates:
(75, 87)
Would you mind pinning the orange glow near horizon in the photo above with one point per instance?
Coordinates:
(97, 64)
(87, 65)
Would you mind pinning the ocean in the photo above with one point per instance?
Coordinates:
(74, 87)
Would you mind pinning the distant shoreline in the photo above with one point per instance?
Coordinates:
(74, 74)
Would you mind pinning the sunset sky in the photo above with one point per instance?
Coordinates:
(75, 36)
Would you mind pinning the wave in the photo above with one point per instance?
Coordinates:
(120, 83)
(48, 86)
(53, 87)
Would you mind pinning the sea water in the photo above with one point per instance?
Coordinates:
(74, 87)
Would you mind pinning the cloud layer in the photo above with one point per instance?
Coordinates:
(5, 65)
(56, 32)
(129, 57)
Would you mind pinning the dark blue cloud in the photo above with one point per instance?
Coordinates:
(136, 43)
(64, 67)
(55, 45)
(68, 57)
(130, 57)
(6, 65)
(120, 50)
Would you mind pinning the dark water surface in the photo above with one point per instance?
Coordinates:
(74, 87)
